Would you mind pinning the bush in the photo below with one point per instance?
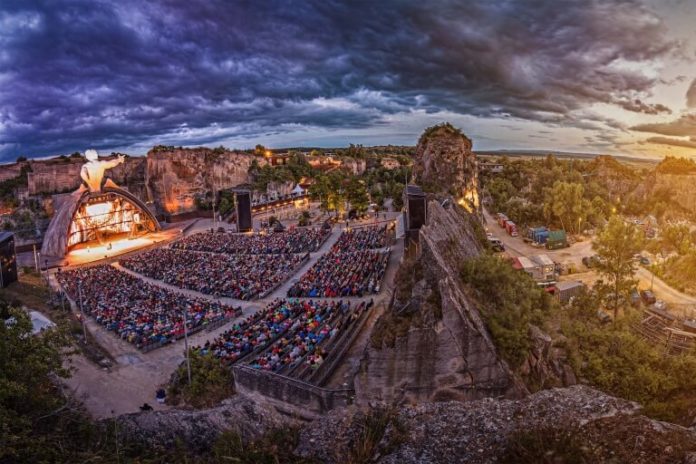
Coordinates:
(211, 382)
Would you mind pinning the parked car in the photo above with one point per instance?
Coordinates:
(496, 244)
(603, 317)
(590, 261)
(645, 261)
(648, 297)
(635, 297)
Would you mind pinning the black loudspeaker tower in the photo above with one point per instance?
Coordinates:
(8, 259)
(243, 202)
(416, 213)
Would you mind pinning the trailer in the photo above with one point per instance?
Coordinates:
(556, 239)
(538, 234)
(566, 290)
(511, 228)
(546, 266)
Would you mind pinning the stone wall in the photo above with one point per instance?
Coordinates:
(10, 171)
(288, 394)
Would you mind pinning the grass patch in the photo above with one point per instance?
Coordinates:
(379, 431)
(277, 446)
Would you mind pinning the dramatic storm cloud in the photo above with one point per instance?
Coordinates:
(130, 74)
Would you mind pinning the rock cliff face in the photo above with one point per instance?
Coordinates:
(680, 189)
(176, 176)
(446, 352)
(444, 160)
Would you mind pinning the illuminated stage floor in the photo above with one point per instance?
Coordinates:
(115, 246)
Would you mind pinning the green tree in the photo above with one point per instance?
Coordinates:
(565, 202)
(676, 238)
(29, 398)
(357, 195)
(616, 245)
(259, 150)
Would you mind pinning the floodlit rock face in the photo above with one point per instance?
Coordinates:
(444, 161)
(677, 190)
(604, 428)
(175, 176)
(446, 353)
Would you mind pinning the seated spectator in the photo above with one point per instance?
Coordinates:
(343, 274)
(292, 241)
(364, 238)
(234, 276)
(142, 314)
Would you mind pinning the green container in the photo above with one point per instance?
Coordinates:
(557, 239)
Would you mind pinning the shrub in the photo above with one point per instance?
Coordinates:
(211, 382)
(509, 301)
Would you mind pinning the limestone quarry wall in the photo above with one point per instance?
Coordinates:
(682, 189)
(446, 358)
(176, 176)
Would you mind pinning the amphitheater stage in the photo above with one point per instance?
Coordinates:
(111, 247)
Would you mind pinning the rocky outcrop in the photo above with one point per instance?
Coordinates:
(576, 424)
(199, 429)
(546, 364)
(676, 190)
(444, 160)
(557, 424)
(446, 352)
(176, 176)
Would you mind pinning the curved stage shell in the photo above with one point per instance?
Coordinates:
(87, 216)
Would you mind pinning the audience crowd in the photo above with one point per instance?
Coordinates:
(339, 274)
(292, 241)
(138, 312)
(364, 238)
(351, 268)
(236, 276)
(285, 334)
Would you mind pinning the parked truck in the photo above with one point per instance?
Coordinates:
(501, 219)
(538, 234)
(511, 228)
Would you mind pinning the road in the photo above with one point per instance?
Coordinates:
(515, 246)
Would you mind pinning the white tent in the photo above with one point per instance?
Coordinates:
(297, 191)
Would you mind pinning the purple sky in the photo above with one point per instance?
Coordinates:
(575, 75)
